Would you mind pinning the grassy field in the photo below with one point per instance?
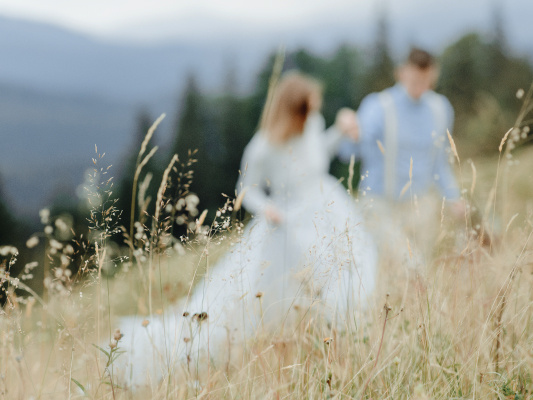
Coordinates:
(457, 326)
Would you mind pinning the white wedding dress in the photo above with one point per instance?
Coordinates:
(318, 262)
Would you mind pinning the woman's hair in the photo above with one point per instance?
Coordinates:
(291, 103)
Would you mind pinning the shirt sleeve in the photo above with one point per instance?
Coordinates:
(371, 119)
(252, 176)
(444, 175)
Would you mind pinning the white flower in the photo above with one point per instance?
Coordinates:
(28, 267)
(64, 260)
(192, 200)
(32, 242)
(61, 225)
(45, 215)
(8, 250)
(55, 244)
(180, 204)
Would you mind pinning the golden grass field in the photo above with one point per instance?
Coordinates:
(458, 326)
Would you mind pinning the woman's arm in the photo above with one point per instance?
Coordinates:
(345, 126)
(252, 177)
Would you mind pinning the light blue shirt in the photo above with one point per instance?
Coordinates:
(417, 137)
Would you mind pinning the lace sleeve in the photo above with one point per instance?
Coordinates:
(252, 176)
(331, 137)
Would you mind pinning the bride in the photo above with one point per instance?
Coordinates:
(304, 254)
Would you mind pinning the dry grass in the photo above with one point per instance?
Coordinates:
(458, 326)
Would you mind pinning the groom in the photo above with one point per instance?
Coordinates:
(403, 145)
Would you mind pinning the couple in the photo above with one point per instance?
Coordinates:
(306, 252)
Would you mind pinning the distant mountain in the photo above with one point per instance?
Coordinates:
(45, 57)
(48, 141)
(61, 93)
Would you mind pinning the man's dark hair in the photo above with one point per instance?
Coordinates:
(420, 58)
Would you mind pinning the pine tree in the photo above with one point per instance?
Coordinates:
(462, 70)
(10, 235)
(8, 223)
(381, 72)
(236, 128)
(193, 146)
(343, 82)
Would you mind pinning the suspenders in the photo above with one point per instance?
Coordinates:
(390, 136)
(391, 144)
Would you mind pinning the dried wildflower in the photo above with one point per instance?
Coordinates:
(240, 197)
(186, 314)
(452, 146)
(520, 93)
(200, 317)
(201, 219)
(259, 295)
(145, 323)
(186, 340)
(504, 139)
(328, 340)
(117, 335)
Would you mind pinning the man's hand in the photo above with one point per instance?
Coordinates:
(346, 122)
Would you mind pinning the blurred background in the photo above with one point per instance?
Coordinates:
(75, 74)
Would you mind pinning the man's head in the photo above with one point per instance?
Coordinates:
(419, 73)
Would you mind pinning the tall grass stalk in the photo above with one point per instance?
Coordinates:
(140, 163)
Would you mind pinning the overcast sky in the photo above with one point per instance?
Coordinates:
(112, 17)
(155, 20)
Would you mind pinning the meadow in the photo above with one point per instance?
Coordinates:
(456, 326)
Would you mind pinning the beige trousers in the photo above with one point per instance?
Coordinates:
(405, 232)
